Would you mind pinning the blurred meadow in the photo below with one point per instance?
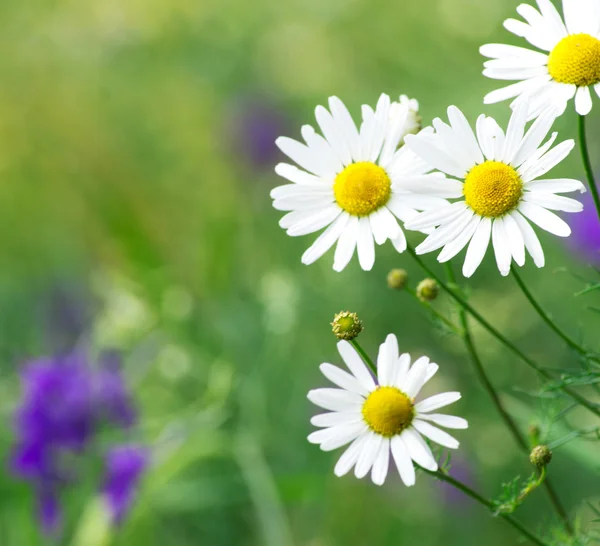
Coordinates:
(136, 160)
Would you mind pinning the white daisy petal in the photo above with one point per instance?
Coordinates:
(547, 161)
(418, 449)
(553, 202)
(344, 120)
(303, 155)
(346, 244)
(461, 126)
(447, 421)
(401, 370)
(322, 218)
(431, 371)
(461, 240)
(532, 243)
(355, 364)
(337, 436)
(446, 233)
(535, 136)
(329, 163)
(515, 239)
(501, 246)
(437, 185)
(516, 89)
(434, 155)
(296, 175)
(382, 463)
(335, 418)
(342, 435)
(437, 401)
(326, 240)
(433, 218)
(386, 360)
(499, 51)
(415, 378)
(477, 247)
(514, 133)
(545, 219)
(365, 244)
(350, 456)
(343, 379)
(336, 399)
(381, 120)
(399, 242)
(368, 455)
(515, 73)
(554, 19)
(383, 225)
(403, 461)
(435, 434)
(583, 101)
(558, 185)
(333, 134)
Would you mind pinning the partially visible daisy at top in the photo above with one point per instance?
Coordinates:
(353, 182)
(568, 67)
(499, 185)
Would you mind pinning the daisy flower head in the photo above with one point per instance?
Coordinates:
(567, 66)
(379, 416)
(347, 181)
(499, 184)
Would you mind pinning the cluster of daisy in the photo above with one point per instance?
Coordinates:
(462, 186)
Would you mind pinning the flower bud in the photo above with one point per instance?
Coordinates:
(346, 325)
(540, 456)
(428, 290)
(397, 278)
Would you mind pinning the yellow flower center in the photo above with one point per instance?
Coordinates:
(388, 411)
(576, 60)
(362, 188)
(493, 189)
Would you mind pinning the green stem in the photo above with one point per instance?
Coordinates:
(486, 503)
(544, 316)
(587, 165)
(508, 420)
(508, 344)
(364, 356)
(435, 312)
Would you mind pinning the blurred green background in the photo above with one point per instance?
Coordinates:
(136, 161)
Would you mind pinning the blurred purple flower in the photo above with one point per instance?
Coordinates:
(65, 401)
(124, 467)
(255, 125)
(585, 227)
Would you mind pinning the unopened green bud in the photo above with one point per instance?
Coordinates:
(346, 325)
(397, 278)
(540, 455)
(428, 290)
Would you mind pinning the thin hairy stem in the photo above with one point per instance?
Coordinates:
(364, 356)
(440, 475)
(546, 318)
(520, 439)
(508, 344)
(587, 165)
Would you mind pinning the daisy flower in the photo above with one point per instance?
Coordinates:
(568, 67)
(380, 416)
(349, 181)
(499, 187)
